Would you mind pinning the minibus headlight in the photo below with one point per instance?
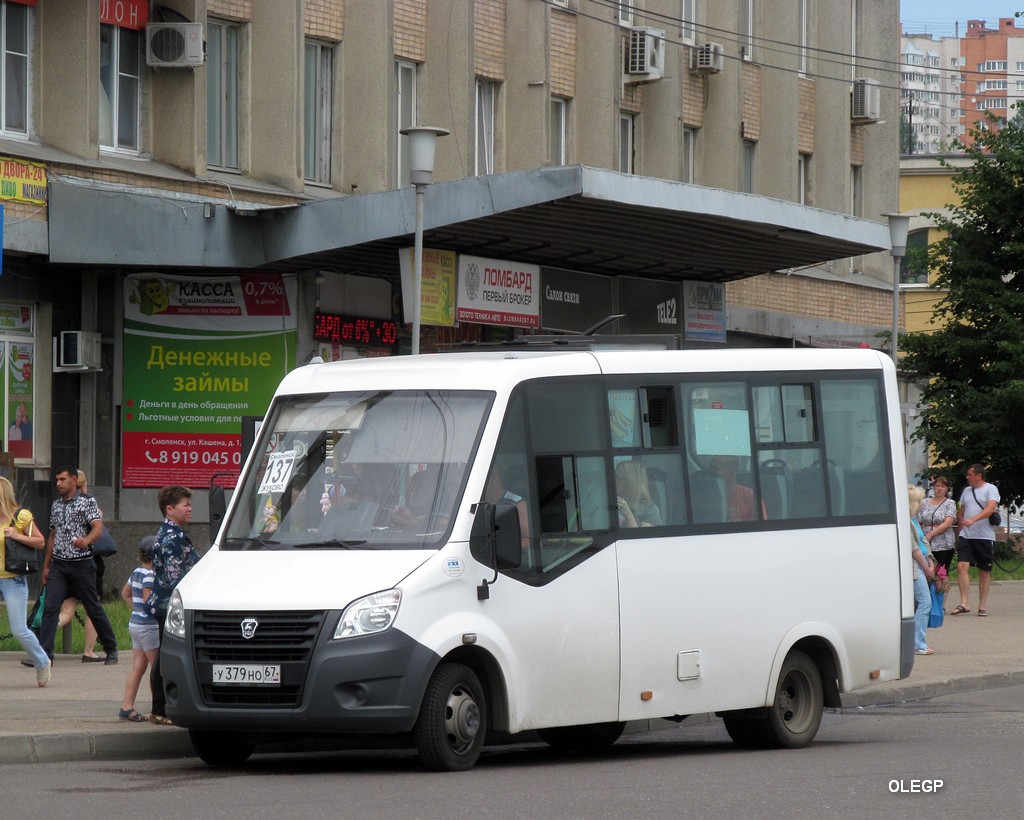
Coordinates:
(374, 613)
(175, 623)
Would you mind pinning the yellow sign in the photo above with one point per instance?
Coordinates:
(22, 181)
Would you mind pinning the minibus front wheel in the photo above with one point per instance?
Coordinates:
(452, 725)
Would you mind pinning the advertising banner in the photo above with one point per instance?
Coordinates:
(199, 353)
(437, 287)
(704, 316)
(498, 292)
(20, 377)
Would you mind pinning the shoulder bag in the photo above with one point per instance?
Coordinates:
(995, 519)
(104, 546)
(19, 559)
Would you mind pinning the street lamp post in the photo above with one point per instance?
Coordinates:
(899, 225)
(422, 141)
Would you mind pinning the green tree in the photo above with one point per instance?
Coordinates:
(972, 363)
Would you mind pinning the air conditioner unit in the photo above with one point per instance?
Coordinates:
(707, 58)
(79, 349)
(645, 57)
(865, 101)
(175, 45)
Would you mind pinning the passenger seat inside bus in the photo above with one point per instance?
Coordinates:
(776, 488)
(708, 496)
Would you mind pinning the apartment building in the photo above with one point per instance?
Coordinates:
(930, 92)
(993, 79)
(201, 194)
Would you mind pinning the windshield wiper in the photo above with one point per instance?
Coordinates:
(334, 543)
(251, 543)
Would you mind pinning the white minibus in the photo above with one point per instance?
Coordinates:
(427, 549)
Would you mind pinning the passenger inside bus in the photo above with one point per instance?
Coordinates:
(739, 498)
(633, 496)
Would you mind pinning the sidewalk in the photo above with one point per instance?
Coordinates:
(75, 716)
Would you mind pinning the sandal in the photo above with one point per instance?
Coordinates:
(982, 613)
(160, 720)
(130, 714)
(960, 610)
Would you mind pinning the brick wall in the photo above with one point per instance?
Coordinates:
(856, 145)
(563, 54)
(751, 101)
(489, 39)
(324, 19)
(808, 115)
(410, 26)
(230, 9)
(837, 301)
(695, 88)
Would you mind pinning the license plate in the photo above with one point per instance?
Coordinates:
(246, 674)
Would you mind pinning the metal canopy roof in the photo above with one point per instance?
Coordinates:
(570, 217)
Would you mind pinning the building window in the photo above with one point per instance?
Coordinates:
(804, 23)
(688, 21)
(805, 178)
(558, 130)
(486, 94)
(318, 111)
(689, 155)
(748, 10)
(627, 123)
(120, 87)
(856, 190)
(749, 149)
(221, 94)
(625, 12)
(405, 116)
(14, 88)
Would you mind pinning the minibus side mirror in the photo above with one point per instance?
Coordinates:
(496, 538)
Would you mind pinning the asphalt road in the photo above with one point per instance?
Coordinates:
(880, 761)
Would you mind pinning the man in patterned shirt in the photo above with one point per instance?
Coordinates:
(173, 556)
(68, 566)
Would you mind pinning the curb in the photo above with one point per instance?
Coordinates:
(934, 689)
(79, 746)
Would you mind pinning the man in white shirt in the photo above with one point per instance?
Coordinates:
(976, 545)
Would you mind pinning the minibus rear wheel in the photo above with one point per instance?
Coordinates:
(452, 725)
(794, 715)
(220, 748)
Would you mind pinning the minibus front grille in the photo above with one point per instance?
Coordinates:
(284, 638)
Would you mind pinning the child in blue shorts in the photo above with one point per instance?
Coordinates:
(142, 626)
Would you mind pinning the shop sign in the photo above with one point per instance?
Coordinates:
(498, 292)
(125, 13)
(704, 317)
(572, 301)
(22, 181)
(199, 354)
(649, 305)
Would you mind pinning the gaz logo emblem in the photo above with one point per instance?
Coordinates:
(249, 628)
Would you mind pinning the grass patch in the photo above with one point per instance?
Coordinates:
(118, 613)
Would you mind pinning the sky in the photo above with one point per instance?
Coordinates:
(939, 17)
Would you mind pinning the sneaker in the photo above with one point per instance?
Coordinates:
(92, 659)
(28, 663)
(43, 675)
(928, 651)
(111, 658)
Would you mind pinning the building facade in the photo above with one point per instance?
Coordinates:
(231, 170)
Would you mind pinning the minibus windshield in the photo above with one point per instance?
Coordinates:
(360, 470)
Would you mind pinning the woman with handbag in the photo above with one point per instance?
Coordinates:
(20, 529)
